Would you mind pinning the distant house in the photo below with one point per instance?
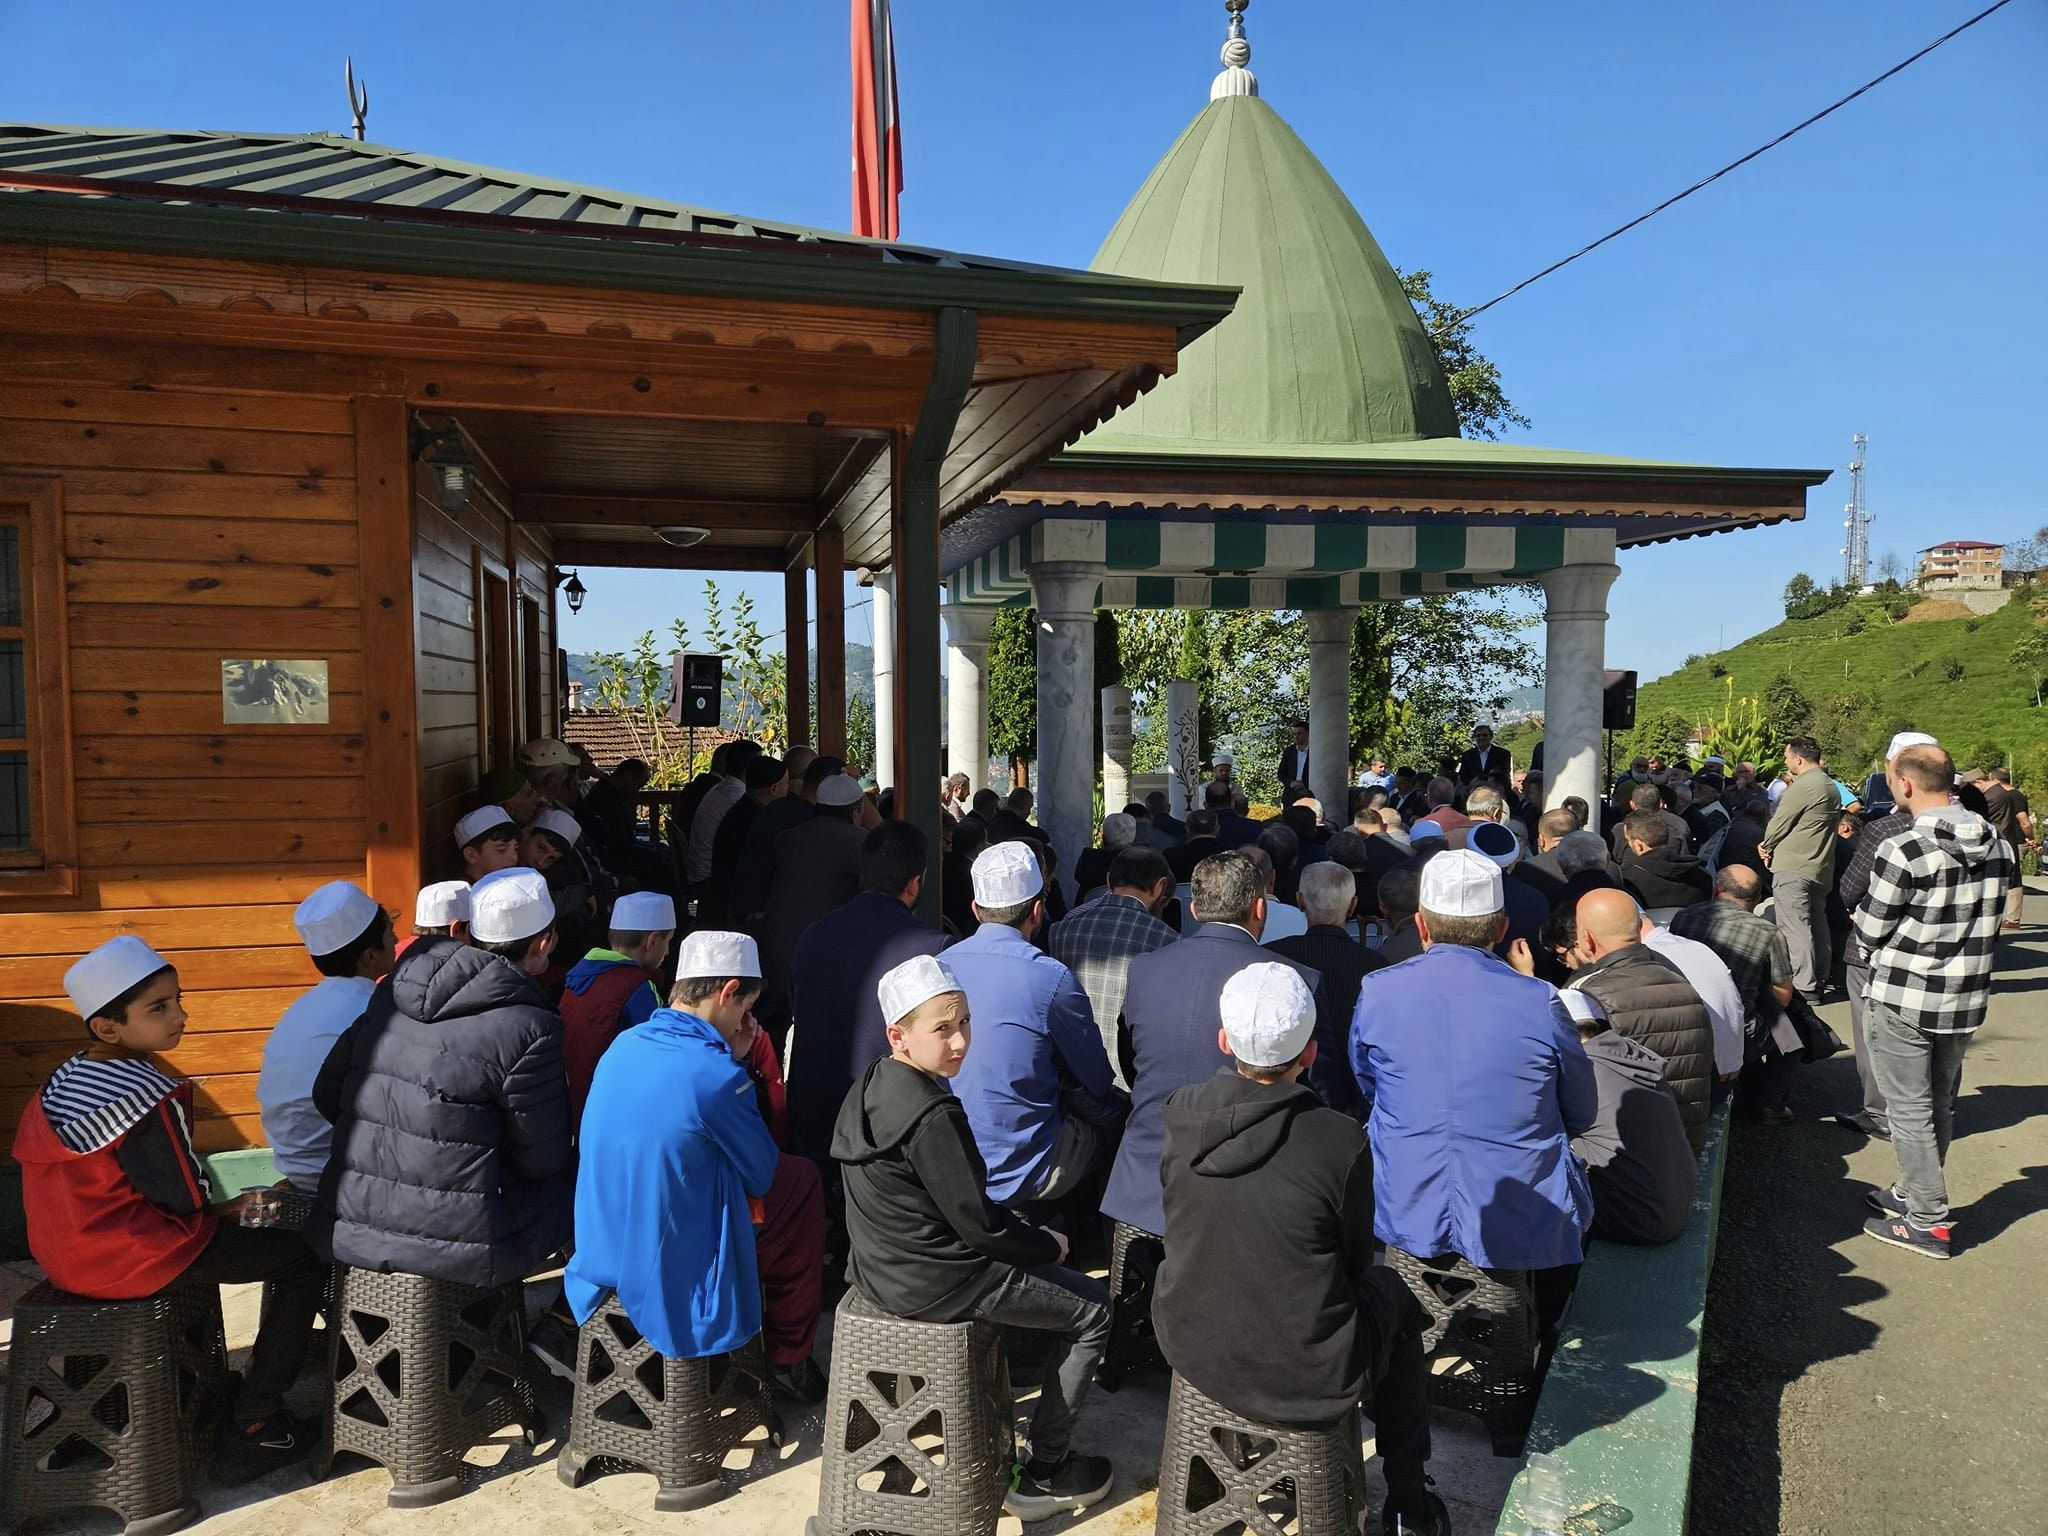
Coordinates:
(610, 737)
(1961, 564)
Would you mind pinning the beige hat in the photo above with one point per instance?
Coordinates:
(547, 752)
(917, 980)
(440, 904)
(710, 954)
(1268, 1014)
(510, 904)
(1461, 883)
(1007, 875)
(98, 977)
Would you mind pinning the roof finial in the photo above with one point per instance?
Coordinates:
(358, 95)
(1235, 80)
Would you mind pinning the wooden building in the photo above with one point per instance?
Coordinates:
(233, 371)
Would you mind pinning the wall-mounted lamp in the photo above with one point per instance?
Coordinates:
(575, 592)
(445, 454)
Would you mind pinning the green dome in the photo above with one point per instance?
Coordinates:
(1323, 348)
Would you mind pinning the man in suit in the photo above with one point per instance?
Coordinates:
(1012, 822)
(1293, 766)
(1202, 843)
(1167, 1038)
(1161, 807)
(1484, 758)
(1329, 898)
(817, 869)
(838, 1027)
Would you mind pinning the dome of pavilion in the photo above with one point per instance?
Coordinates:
(1324, 347)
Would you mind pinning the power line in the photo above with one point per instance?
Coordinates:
(1732, 165)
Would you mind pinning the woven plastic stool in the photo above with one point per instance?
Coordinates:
(111, 1404)
(423, 1370)
(1220, 1472)
(918, 1433)
(1134, 1259)
(1483, 1322)
(636, 1408)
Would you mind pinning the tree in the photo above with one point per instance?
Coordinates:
(1422, 671)
(756, 678)
(2030, 657)
(1665, 734)
(1891, 570)
(2025, 556)
(1799, 592)
(1483, 407)
(1013, 684)
(1787, 712)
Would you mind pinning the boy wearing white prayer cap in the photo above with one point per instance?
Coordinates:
(119, 1207)
(1268, 1193)
(489, 840)
(349, 937)
(687, 1208)
(440, 911)
(930, 1244)
(613, 987)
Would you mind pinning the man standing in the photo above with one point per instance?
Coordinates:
(1293, 765)
(1098, 941)
(1484, 758)
(1930, 919)
(1799, 847)
(749, 894)
(816, 869)
(718, 800)
(2007, 811)
(1201, 843)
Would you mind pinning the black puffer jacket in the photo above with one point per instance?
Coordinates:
(451, 1124)
(1648, 999)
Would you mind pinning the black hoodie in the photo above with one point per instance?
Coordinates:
(1268, 1246)
(927, 1243)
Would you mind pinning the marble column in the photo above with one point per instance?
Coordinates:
(967, 627)
(1063, 593)
(1574, 659)
(1116, 748)
(1329, 710)
(1183, 746)
(882, 625)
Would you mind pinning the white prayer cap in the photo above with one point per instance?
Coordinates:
(96, 979)
(547, 752)
(440, 904)
(1268, 1014)
(1907, 739)
(1119, 831)
(840, 790)
(485, 818)
(561, 823)
(710, 954)
(333, 917)
(1007, 875)
(917, 980)
(1461, 883)
(1495, 840)
(509, 904)
(644, 912)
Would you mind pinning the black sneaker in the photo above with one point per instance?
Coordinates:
(1433, 1520)
(1901, 1233)
(1887, 1201)
(802, 1382)
(1864, 1124)
(1038, 1492)
(248, 1451)
(553, 1343)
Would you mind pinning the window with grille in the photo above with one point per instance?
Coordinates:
(17, 822)
(38, 834)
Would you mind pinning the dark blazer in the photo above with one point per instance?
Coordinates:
(1182, 860)
(1292, 767)
(1344, 963)
(817, 870)
(1167, 1039)
(1006, 826)
(1477, 765)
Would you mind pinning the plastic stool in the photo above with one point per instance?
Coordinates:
(112, 1404)
(918, 1433)
(1134, 1259)
(424, 1370)
(678, 1419)
(1220, 1472)
(1484, 1322)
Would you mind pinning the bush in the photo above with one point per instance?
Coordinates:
(1971, 626)
(1693, 660)
(1715, 669)
(1952, 669)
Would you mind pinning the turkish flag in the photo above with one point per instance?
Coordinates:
(877, 141)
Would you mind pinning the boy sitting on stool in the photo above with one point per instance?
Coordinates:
(927, 1244)
(610, 990)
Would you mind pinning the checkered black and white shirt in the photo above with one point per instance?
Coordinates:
(1097, 942)
(1930, 919)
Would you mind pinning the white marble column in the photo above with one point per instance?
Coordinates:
(967, 627)
(1116, 748)
(882, 625)
(1329, 710)
(1574, 658)
(1063, 593)
(1183, 745)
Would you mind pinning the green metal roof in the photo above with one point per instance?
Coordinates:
(1323, 348)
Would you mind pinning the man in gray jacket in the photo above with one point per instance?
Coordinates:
(1799, 846)
(1636, 1155)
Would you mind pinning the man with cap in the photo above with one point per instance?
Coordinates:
(1039, 1093)
(451, 1150)
(349, 937)
(1478, 1083)
(1268, 1194)
(929, 1244)
(1492, 835)
(817, 869)
(440, 911)
(489, 840)
(611, 989)
(119, 1208)
(686, 1209)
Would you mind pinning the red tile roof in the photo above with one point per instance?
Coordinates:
(1961, 544)
(611, 737)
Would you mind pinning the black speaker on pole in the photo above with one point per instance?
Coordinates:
(1618, 702)
(703, 689)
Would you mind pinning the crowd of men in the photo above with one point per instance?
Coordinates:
(713, 1069)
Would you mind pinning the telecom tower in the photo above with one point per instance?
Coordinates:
(1856, 553)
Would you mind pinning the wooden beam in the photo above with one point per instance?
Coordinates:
(661, 557)
(384, 518)
(828, 559)
(574, 509)
(796, 651)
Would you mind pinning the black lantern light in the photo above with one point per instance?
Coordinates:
(574, 592)
(445, 454)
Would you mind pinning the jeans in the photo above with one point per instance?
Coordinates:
(1076, 1308)
(1866, 1072)
(241, 1256)
(1921, 1073)
(1802, 917)
(1080, 1149)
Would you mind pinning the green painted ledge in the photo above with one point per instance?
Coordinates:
(231, 1173)
(1617, 1409)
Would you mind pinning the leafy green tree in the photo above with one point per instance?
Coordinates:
(1798, 593)
(1424, 670)
(1664, 734)
(860, 732)
(1787, 711)
(1013, 684)
(2030, 658)
(756, 679)
(1482, 405)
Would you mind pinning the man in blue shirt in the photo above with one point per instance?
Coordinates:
(1478, 1083)
(1039, 1094)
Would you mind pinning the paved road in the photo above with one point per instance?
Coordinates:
(1849, 1386)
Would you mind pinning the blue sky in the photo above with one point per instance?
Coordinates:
(1880, 273)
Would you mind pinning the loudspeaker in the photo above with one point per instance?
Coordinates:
(702, 689)
(1618, 702)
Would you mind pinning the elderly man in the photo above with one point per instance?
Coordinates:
(1760, 965)
(1099, 940)
(1443, 816)
(1478, 1083)
(1582, 855)
(1541, 868)
(1119, 831)
(1329, 900)
(1799, 847)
